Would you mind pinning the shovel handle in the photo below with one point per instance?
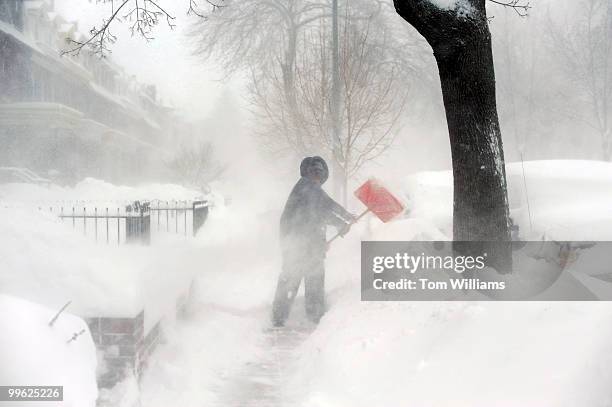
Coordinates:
(355, 221)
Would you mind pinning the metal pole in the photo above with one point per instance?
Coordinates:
(607, 78)
(106, 225)
(335, 104)
(193, 218)
(526, 193)
(96, 220)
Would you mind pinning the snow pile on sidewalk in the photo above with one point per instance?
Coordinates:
(458, 354)
(568, 199)
(45, 261)
(434, 354)
(32, 353)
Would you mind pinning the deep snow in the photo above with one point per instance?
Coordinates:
(32, 353)
(381, 354)
(567, 199)
(468, 354)
(400, 354)
(44, 260)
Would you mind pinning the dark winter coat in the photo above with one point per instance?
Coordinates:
(307, 213)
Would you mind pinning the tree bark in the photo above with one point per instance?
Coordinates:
(461, 42)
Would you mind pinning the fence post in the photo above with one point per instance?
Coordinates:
(138, 225)
(146, 225)
(119, 228)
(200, 213)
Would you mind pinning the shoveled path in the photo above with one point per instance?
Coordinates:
(261, 383)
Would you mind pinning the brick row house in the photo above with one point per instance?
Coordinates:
(71, 116)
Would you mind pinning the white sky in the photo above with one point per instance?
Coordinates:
(182, 80)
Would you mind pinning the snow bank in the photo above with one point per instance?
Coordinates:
(457, 354)
(33, 353)
(568, 199)
(503, 354)
(44, 260)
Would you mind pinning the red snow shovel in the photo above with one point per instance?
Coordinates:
(378, 200)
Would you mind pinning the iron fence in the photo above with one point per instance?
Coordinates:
(181, 217)
(200, 214)
(133, 223)
(130, 225)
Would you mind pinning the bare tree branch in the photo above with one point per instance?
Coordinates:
(521, 7)
(144, 16)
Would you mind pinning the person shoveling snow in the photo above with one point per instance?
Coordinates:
(303, 224)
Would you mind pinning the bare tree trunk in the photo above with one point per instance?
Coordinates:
(468, 88)
(462, 48)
